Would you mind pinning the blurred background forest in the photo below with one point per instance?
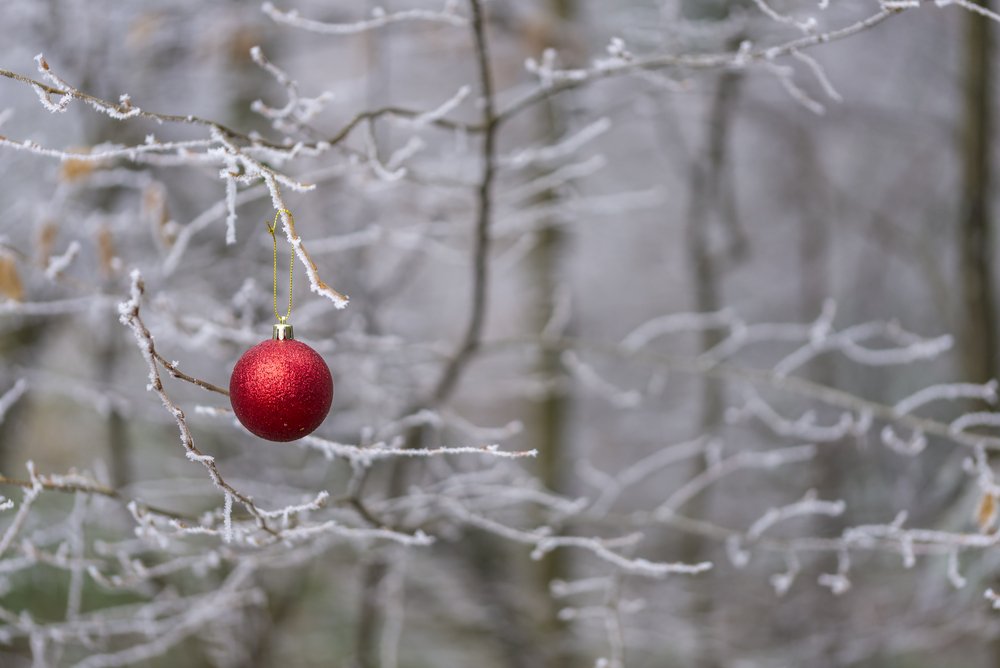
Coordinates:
(682, 261)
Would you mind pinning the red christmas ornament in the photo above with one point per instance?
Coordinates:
(281, 389)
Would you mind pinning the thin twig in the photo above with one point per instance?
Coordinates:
(484, 215)
(691, 61)
(797, 386)
(172, 369)
(231, 133)
(130, 317)
(92, 488)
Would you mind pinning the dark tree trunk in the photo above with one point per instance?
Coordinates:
(708, 171)
(552, 411)
(979, 349)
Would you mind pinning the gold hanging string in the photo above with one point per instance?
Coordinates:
(291, 266)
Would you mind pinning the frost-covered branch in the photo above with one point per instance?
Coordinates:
(379, 19)
(129, 316)
(556, 81)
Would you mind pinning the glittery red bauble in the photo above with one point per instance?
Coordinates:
(281, 390)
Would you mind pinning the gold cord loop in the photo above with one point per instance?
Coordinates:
(291, 266)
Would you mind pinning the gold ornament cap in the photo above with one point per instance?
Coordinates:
(282, 331)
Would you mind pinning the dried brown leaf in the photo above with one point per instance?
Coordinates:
(155, 211)
(73, 170)
(143, 29)
(986, 513)
(10, 281)
(240, 41)
(47, 235)
(106, 251)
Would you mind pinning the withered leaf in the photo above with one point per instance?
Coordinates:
(10, 281)
(106, 251)
(986, 513)
(74, 169)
